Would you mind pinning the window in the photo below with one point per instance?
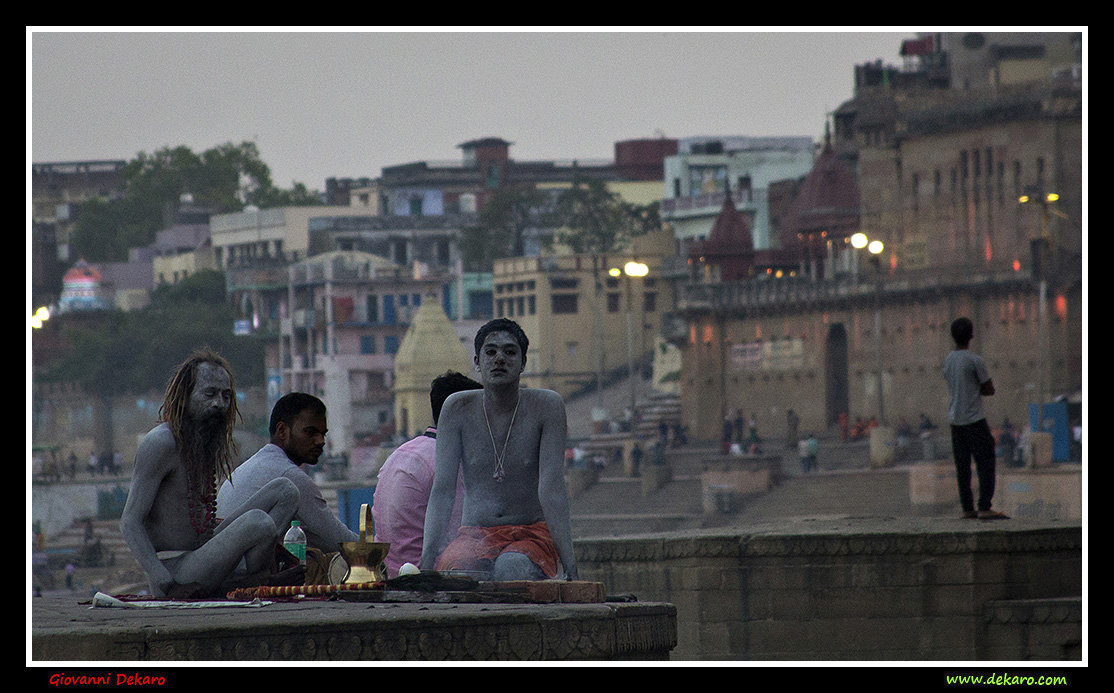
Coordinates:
(367, 344)
(389, 310)
(416, 206)
(613, 303)
(564, 303)
(372, 309)
(390, 344)
(492, 176)
(531, 305)
(650, 302)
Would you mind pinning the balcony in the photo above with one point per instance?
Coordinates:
(345, 362)
(257, 275)
(701, 203)
(763, 294)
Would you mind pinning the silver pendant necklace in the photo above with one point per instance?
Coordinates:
(499, 474)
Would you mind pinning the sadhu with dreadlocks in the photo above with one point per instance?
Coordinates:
(169, 519)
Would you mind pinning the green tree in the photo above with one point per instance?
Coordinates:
(297, 196)
(502, 224)
(205, 286)
(136, 352)
(592, 219)
(224, 178)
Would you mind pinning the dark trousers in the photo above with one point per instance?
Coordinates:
(974, 440)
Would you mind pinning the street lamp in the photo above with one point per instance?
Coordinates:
(874, 247)
(631, 269)
(1041, 259)
(41, 316)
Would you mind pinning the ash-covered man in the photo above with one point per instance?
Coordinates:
(509, 444)
(406, 480)
(298, 426)
(169, 520)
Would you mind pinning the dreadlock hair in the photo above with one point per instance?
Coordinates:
(175, 405)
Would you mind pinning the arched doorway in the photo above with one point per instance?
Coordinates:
(835, 374)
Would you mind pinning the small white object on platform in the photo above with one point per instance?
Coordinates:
(408, 569)
(100, 599)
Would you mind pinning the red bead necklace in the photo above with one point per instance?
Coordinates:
(208, 507)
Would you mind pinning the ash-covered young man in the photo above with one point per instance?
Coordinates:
(169, 520)
(508, 442)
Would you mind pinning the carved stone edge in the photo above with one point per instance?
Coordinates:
(628, 549)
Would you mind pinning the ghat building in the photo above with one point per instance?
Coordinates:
(967, 166)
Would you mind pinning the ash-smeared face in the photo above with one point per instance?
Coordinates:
(500, 359)
(212, 393)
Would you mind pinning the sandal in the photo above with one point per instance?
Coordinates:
(992, 515)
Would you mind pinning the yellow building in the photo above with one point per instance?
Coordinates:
(584, 324)
(171, 269)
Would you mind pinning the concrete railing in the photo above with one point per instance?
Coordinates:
(851, 589)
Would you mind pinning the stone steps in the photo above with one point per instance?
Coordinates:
(108, 531)
(616, 506)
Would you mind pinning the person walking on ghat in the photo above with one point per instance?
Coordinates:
(968, 382)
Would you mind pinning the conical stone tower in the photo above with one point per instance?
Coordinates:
(431, 347)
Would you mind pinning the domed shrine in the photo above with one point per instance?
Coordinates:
(82, 290)
(431, 347)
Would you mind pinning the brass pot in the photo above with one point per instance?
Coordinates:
(364, 558)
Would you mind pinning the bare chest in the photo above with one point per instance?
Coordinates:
(501, 442)
(169, 522)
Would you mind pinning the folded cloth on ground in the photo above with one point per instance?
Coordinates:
(100, 600)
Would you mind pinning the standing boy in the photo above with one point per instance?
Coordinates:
(968, 382)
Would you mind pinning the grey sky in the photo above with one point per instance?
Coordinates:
(348, 103)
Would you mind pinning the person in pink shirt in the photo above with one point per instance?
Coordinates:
(405, 480)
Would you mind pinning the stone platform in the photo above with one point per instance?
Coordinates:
(62, 629)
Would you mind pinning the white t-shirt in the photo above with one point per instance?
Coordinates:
(965, 372)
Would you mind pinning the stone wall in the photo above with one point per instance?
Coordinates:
(871, 589)
(1053, 493)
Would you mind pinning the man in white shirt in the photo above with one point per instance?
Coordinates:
(968, 382)
(298, 426)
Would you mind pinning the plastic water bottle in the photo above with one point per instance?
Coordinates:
(295, 541)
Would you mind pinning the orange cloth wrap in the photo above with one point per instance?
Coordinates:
(476, 548)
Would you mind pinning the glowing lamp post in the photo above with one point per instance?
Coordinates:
(1042, 257)
(631, 269)
(41, 316)
(875, 248)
